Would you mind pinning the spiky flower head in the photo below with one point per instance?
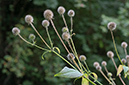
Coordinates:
(65, 29)
(109, 74)
(104, 63)
(96, 64)
(32, 37)
(98, 68)
(127, 57)
(123, 61)
(29, 19)
(15, 31)
(71, 13)
(82, 57)
(70, 56)
(66, 36)
(110, 54)
(48, 14)
(111, 26)
(45, 23)
(124, 44)
(61, 10)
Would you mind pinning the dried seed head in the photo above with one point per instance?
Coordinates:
(66, 36)
(65, 29)
(48, 14)
(45, 23)
(70, 56)
(82, 57)
(29, 19)
(110, 54)
(32, 37)
(123, 61)
(98, 68)
(96, 64)
(15, 31)
(127, 57)
(111, 26)
(124, 44)
(61, 10)
(109, 74)
(71, 13)
(104, 63)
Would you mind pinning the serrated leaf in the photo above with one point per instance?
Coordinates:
(85, 81)
(95, 76)
(45, 53)
(57, 49)
(119, 70)
(69, 73)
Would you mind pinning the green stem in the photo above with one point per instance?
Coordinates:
(87, 66)
(49, 37)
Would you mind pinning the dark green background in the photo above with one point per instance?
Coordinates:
(21, 64)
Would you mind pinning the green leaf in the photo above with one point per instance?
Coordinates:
(56, 49)
(68, 73)
(120, 68)
(44, 54)
(85, 81)
(125, 69)
(95, 76)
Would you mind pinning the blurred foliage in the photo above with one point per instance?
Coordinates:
(21, 63)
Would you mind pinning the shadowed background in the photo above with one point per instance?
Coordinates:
(21, 64)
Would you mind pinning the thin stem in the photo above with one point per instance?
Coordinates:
(87, 66)
(49, 37)
(31, 43)
(114, 63)
(105, 69)
(71, 19)
(113, 83)
(125, 51)
(40, 36)
(64, 20)
(115, 47)
(70, 46)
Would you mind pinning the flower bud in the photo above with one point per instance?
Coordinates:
(61, 10)
(71, 13)
(111, 26)
(110, 54)
(70, 56)
(32, 37)
(29, 19)
(98, 68)
(96, 64)
(82, 57)
(15, 31)
(45, 23)
(124, 44)
(109, 74)
(123, 61)
(127, 57)
(104, 63)
(65, 29)
(66, 36)
(48, 14)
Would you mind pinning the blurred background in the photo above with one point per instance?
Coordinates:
(21, 64)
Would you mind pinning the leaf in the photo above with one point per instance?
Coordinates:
(95, 76)
(125, 69)
(57, 49)
(69, 73)
(119, 70)
(45, 53)
(85, 81)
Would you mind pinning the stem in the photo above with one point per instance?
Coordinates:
(31, 43)
(70, 46)
(71, 19)
(87, 66)
(115, 47)
(40, 35)
(113, 83)
(105, 69)
(64, 20)
(125, 51)
(49, 37)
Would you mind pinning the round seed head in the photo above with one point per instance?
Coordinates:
(71, 13)
(127, 57)
(70, 56)
(45, 23)
(98, 68)
(124, 44)
(32, 37)
(82, 57)
(109, 74)
(66, 36)
(29, 19)
(110, 54)
(123, 61)
(65, 29)
(111, 26)
(15, 31)
(61, 10)
(96, 64)
(104, 63)
(48, 14)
